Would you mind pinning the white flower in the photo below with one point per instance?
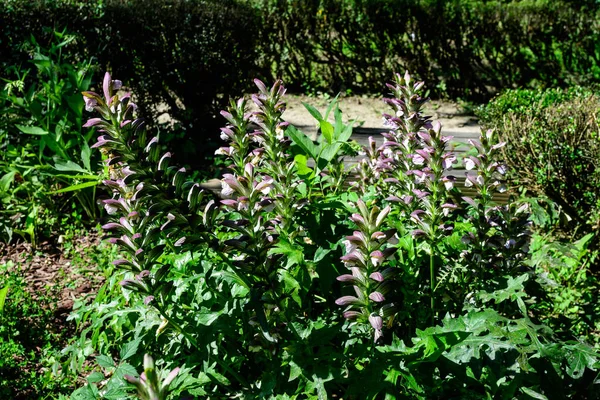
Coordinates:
(226, 190)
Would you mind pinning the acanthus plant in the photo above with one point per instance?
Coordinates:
(261, 199)
(499, 241)
(265, 324)
(367, 254)
(155, 211)
(413, 163)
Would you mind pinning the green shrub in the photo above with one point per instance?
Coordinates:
(466, 48)
(571, 304)
(184, 55)
(552, 146)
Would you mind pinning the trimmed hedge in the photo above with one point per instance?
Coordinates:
(553, 147)
(193, 54)
(467, 48)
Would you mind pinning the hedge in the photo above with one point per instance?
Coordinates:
(191, 54)
(464, 48)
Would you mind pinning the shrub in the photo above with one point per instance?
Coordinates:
(181, 56)
(464, 48)
(237, 291)
(552, 146)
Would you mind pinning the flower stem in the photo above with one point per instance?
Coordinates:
(432, 284)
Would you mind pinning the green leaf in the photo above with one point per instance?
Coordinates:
(115, 393)
(332, 104)
(330, 152)
(301, 165)
(207, 317)
(73, 188)
(76, 103)
(95, 377)
(319, 385)
(303, 141)
(295, 371)
(67, 165)
(344, 134)
(291, 285)
(293, 254)
(320, 254)
(105, 362)
(3, 295)
(86, 156)
(32, 130)
(129, 349)
(6, 181)
(89, 392)
(313, 111)
(327, 131)
(533, 394)
(57, 147)
(579, 358)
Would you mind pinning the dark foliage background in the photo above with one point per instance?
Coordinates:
(192, 55)
(185, 54)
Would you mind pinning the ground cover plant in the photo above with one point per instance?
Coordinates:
(304, 278)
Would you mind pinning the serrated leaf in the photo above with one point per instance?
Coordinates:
(88, 392)
(127, 369)
(105, 361)
(95, 377)
(319, 385)
(129, 349)
(580, 358)
(115, 394)
(293, 254)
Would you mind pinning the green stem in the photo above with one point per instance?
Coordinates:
(432, 285)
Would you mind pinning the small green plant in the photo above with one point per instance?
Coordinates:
(29, 341)
(45, 151)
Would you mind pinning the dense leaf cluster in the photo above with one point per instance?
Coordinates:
(186, 56)
(464, 48)
(552, 147)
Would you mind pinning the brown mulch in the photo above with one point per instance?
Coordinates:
(49, 272)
